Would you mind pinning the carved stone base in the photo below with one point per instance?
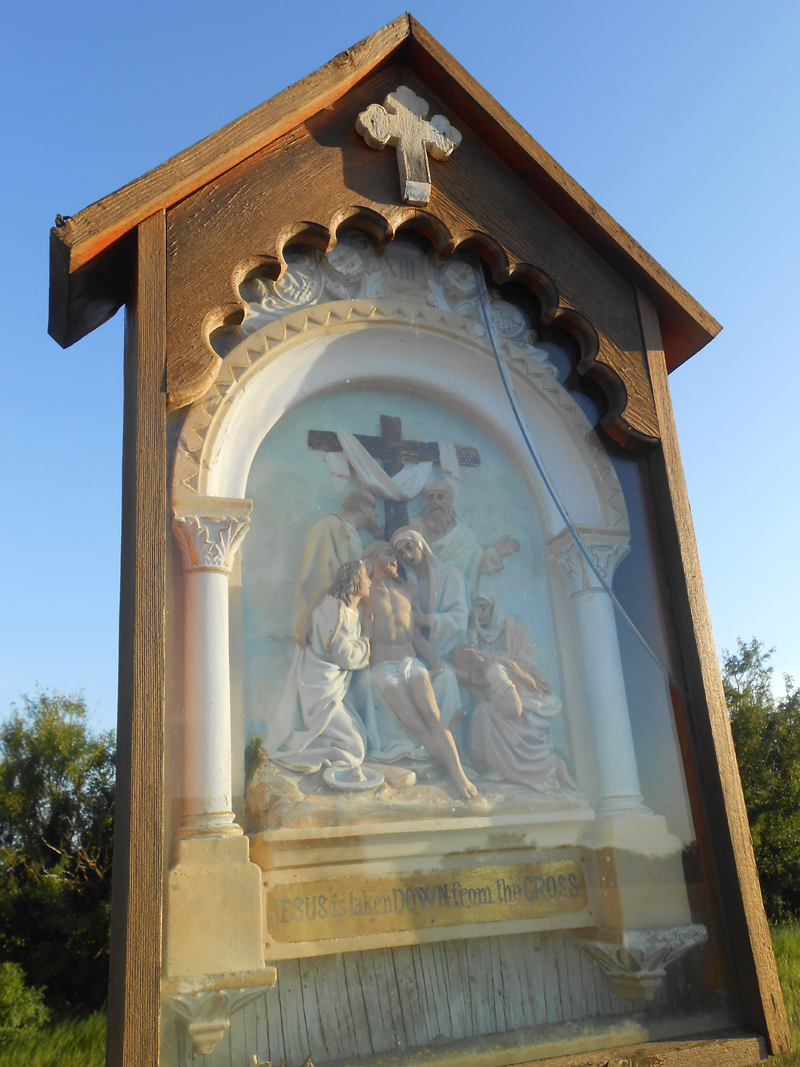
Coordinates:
(206, 1012)
(640, 879)
(635, 961)
(213, 909)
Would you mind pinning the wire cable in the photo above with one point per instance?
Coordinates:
(508, 385)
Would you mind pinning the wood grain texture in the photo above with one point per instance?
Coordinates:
(416, 999)
(79, 305)
(133, 1003)
(99, 225)
(690, 326)
(322, 174)
(726, 813)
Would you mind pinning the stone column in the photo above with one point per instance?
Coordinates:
(207, 545)
(604, 684)
(638, 878)
(214, 907)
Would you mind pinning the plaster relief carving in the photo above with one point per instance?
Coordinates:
(208, 544)
(605, 557)
(206, 1013)
(401, 123)
(355, 270)
(636, 961)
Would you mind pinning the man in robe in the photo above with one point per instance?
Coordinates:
(397, 671)
(334, 540)
(314, 724)
(453, 542)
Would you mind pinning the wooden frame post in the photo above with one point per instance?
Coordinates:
(134, 986)
(760, 990)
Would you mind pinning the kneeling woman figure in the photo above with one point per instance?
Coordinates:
(509, 731)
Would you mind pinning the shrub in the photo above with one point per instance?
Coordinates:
(22, 1009)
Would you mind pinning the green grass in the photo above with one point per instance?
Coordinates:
(786, 942)
(75, 1043)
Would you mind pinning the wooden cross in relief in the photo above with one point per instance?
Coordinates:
(392, 452)
(401, 122)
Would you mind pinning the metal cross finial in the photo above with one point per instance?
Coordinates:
(401, 122)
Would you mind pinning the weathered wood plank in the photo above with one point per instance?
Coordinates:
(81, 302)
(312, 1018)
(379, 1017)
(276, 1046)
(134, 993)
(738, 880)
(412, 999)
(359, 1033)
(290, 994)
(327, 971)
(99, 225)
(390, 997)
(432, 966)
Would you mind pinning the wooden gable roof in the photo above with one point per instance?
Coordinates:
(91, 253)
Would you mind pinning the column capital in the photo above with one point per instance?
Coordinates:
(209, 543)
(605, 549)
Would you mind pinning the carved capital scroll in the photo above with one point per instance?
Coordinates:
(605, 554)
(209, 544)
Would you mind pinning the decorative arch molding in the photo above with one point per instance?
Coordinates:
(630, 419)
(252, 389)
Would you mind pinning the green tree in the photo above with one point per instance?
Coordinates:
(22, 1009)
(56, 827)
(766, 733)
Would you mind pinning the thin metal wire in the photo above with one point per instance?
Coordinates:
(508, 385)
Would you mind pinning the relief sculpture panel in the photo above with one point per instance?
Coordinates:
(443, 727)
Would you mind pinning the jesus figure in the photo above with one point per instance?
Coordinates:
(404, 682)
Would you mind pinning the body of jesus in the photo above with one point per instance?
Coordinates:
(393, 622)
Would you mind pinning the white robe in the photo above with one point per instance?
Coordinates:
(332, 541)
(387, 738)
(460, 549)
(314, 724)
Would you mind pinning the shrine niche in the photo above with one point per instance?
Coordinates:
(423, 745)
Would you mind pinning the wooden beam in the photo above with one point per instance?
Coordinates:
(99, 225)
(84, 292)
(739, 888)
(729, 1050)
(133, 1002)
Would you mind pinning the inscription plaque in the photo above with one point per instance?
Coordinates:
(355, 906)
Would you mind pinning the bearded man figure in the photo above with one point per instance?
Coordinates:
(453, 542)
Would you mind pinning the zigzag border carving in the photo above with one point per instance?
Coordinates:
(250, 357)
(623, 422)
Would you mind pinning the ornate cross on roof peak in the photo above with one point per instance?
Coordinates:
(401, 122)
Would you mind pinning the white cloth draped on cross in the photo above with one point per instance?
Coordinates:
(405, 485)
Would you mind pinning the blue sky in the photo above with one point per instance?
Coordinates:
(680, 118)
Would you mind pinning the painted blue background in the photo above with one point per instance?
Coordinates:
(291, 488)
